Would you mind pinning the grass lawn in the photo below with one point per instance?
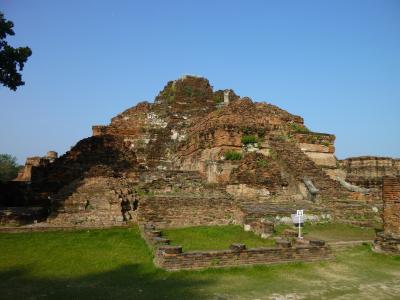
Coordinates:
(332, 232)
(116, 264)
(338, 232)
(214, 237)
(221, 237)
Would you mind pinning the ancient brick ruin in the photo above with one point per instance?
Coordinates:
(26, 172)
(389, 239)
(369, 171)
(172, 258)
(194, 157)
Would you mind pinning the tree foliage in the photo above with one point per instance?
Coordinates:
(8, 167)
(12, 60)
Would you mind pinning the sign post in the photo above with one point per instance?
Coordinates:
(299, 215)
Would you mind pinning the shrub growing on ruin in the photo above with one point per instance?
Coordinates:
(169, 94)
(261, 132)
(298, 128)
(232, 155)
(188, 91)
(249, 139)
(326, 143)
(246, 130)
(262, 163)
(218, 99)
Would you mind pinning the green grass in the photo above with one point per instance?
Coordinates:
(338, 232)
(332, 232)
(116, 264)
(214, 237)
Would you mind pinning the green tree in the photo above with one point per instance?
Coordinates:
(11, 58)
(8, 167)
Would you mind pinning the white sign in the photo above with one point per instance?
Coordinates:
(298, 219)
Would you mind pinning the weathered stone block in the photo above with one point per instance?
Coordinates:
(318, 243)
(154, 233)
(281, 243)
(170, 249)
(161, 241)
(237, 247)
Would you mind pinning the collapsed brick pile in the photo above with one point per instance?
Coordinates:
(259, 170)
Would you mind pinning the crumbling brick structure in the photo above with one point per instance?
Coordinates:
(25, 173)
(174, 153)
(369, 171)
(389, 239)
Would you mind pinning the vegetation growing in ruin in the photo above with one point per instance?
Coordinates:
(247, 130)
(143, 192)
(273, 154)
(218, 99)
(326, 143)
(296, 128)
(188, 91)
(283, 137)
(116, 263)
(249, 139)
(261, 132)
(233, 155)
(169, 93)
(214, 237)
(262, 163)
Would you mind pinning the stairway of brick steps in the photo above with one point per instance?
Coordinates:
(355, 212)
(300, 165)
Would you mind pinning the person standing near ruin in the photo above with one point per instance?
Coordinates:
(125, 210)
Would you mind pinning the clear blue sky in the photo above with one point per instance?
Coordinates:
(335, 63)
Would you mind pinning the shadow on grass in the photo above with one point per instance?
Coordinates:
(125, 282)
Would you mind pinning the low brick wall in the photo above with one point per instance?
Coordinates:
(245, 257)
(172, 258)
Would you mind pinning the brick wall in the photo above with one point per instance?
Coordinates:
(183, 211)
(391, 206)
(389, 239)
(172, 258)
(227, 258)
